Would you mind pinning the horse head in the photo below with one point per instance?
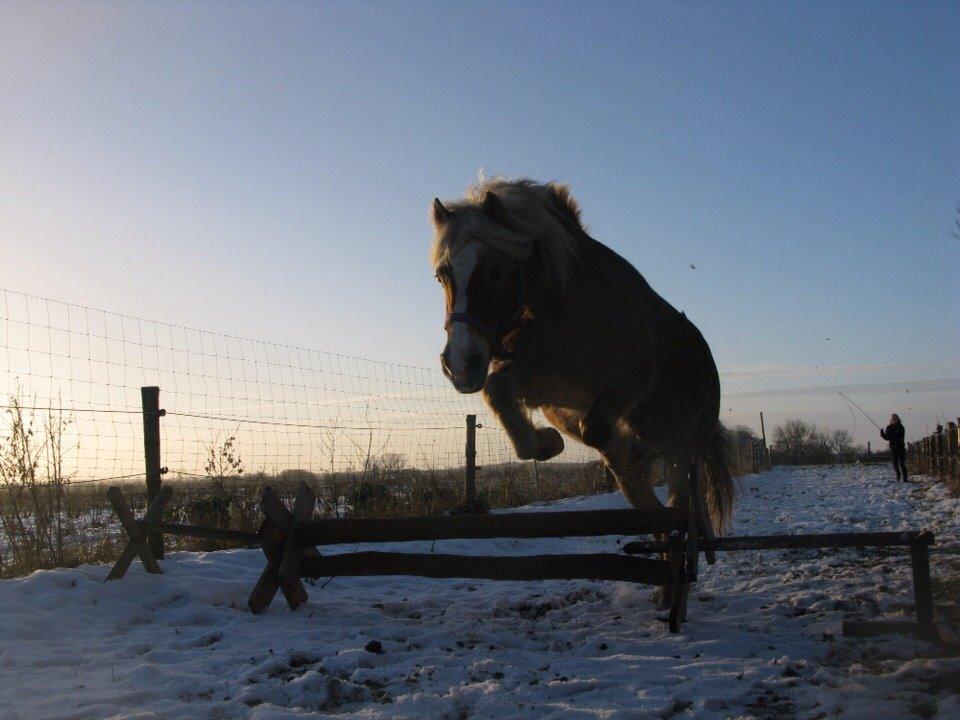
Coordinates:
(483, 288)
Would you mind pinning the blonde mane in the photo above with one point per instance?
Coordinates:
(543, 213)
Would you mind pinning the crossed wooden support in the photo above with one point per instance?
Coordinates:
(284, 554)
(138, 543)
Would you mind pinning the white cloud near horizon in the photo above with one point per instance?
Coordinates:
(771, 370)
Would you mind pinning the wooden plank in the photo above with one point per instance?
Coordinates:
(922, 587)
(273, 508)
(677, 580)
(155, 509)
(120, 567)
(525, 567)
(303, 506)
(133, 548)
(788, 542)
(201, 531)
(271, 539)
(502, 525)
(129, 523)
(278, 519)
(263, 591)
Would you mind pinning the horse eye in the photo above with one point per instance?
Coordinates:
(495, 274)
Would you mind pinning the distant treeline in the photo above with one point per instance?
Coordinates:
(797, 442)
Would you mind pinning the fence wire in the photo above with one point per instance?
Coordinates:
(232, 404)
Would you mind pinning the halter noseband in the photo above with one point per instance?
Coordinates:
(494, 332)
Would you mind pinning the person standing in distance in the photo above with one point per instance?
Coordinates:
(895, 435)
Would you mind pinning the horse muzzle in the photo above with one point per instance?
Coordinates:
(469, 374)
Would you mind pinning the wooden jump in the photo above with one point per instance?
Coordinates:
(289, 539)
(918, 541)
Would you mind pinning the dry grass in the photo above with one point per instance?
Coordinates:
(87, 531)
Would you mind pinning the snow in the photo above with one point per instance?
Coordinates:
(763, 638)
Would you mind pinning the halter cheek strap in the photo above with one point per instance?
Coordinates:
(494, 332)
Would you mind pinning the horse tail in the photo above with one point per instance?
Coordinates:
(720, 487)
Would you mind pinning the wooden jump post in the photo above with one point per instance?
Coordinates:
(138, 543)
(289, 540)
(138, 531)
(918, 541)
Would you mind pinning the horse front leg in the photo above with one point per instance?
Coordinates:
(529, 441)
(628, 384)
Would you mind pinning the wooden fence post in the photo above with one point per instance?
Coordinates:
(922, 588)
(766, 448)
(150, 399)
(471, 464)
(941, 453)
(952, 437)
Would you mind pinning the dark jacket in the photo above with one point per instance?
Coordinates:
(894, 434)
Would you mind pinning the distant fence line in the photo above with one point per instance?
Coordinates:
(938, 454)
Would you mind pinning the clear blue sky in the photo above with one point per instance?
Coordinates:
(266, 169)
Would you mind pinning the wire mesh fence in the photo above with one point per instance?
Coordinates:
(280, 407)
(372, 437)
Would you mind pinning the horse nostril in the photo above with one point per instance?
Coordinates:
(445, 362)
(474, 364)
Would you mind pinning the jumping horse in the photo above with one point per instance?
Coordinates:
(541, 316)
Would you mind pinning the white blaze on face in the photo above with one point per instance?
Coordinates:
(464, 341)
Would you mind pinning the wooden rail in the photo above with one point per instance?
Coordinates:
(200, 531)
(500, 525)
(787, 542)
(598, 566)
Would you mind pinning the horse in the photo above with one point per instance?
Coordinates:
(541, 316)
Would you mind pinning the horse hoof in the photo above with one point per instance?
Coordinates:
(549, 444)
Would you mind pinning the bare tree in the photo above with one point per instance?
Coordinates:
(841, 443)
(793, 439)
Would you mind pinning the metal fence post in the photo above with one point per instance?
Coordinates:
(150, 399)
(471, 464)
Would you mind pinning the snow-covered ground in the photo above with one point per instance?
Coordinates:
(763, 638)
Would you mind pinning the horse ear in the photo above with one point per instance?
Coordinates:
(493, 208)
(440, 213)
